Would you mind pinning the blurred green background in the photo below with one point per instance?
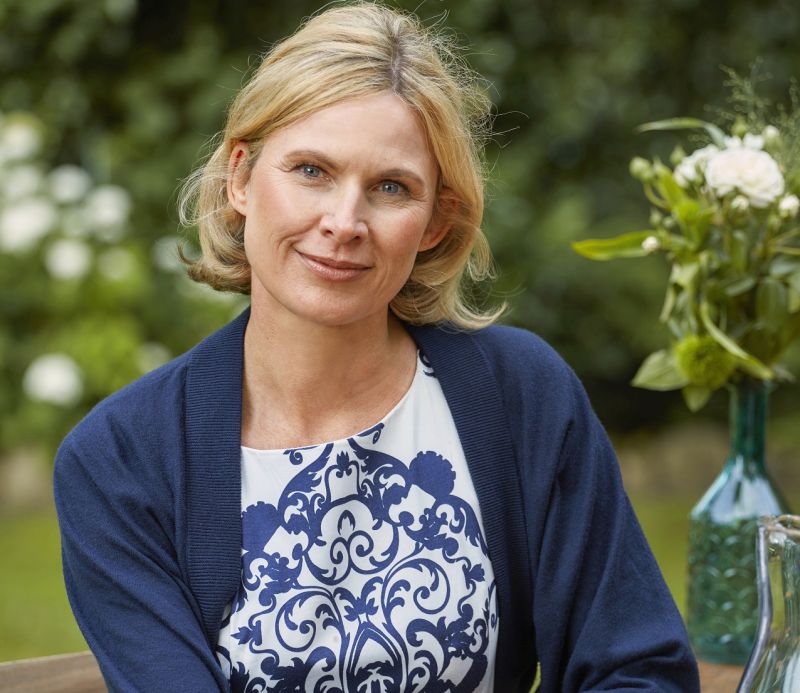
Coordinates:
(105, 105)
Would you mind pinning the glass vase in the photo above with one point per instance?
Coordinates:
(722, 607)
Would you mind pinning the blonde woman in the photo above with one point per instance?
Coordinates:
(358, 485)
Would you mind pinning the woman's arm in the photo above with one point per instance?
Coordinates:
(122, 571)
(604, 618)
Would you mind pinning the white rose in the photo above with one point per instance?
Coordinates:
(789, 206)
(752, 172)
(69, 183)
(68, 259)
(54, 378)
(25, 223)
(750, 141)
(691, 169)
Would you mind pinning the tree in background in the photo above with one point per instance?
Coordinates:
(117, 97)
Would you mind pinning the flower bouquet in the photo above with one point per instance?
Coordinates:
(725, 218)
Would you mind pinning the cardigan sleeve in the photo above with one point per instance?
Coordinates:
(121, 566)
(603, 616)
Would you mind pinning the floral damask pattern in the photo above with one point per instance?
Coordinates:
(368, 575)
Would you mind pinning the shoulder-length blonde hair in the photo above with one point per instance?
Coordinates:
(352, 50)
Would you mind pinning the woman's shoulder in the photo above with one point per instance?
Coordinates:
(510, 352)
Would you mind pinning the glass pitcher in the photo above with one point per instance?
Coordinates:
(774, 664)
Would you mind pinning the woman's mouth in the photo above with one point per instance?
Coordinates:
(333, 270)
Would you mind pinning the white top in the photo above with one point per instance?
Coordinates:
(364, 564)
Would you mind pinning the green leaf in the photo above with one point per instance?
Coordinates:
(739, 286)
(625, 245)
(685, 275)
(667, 187)
(669, 303)
(782, 266)
(794, 280)
(717, 136)
(696, 396)
(794, 300)
(659, 372)
(772, 303)
(749, 362)
(740, 251)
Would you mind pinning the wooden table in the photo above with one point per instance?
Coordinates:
(78, 673)
(719, 678)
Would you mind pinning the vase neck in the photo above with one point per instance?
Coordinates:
(748, 418)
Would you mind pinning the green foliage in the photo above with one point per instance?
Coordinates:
(726, 220)
(130, 91)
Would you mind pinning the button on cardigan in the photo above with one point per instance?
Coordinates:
(148, 486)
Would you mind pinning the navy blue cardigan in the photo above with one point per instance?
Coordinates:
(147, 489)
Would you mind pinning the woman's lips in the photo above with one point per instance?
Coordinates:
(333, 270)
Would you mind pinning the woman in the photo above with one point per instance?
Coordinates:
(357, 485)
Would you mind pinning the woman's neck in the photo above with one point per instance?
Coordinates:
(309, 383)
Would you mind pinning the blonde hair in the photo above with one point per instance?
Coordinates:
(347, 51)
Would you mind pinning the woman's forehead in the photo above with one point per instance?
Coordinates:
(374, 127)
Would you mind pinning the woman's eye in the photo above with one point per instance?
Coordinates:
(311, 171)
(391, 188)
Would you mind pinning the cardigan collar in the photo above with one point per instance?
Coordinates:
(213, 477)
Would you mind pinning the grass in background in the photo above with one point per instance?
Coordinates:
(35, 618)
(665, 522)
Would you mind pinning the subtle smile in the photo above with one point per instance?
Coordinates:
(333, 270)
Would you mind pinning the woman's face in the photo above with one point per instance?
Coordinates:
(336, 208)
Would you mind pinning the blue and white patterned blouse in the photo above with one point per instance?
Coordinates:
(364, 565)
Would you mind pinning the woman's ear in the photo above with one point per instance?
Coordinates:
(238, 178)
(444, 213)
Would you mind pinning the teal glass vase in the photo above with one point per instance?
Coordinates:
(722, 605)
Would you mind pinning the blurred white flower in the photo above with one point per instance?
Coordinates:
(25, 223)
(68, 259)
(771, 134)
(789, 206)
(54, 378)
(119, 10)
(116, 263)
(165, 254)
(107, 208)
(691, 169)
(19, 139)
(21, 181)
(740, 203)
(752, 172)
(69, 183)
(151, 355)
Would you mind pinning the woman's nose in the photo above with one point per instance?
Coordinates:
(344, 219)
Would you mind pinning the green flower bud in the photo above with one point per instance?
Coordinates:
(678, 155)
(641, 169)
(656, 218)
(704, 361)
(739, 128)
